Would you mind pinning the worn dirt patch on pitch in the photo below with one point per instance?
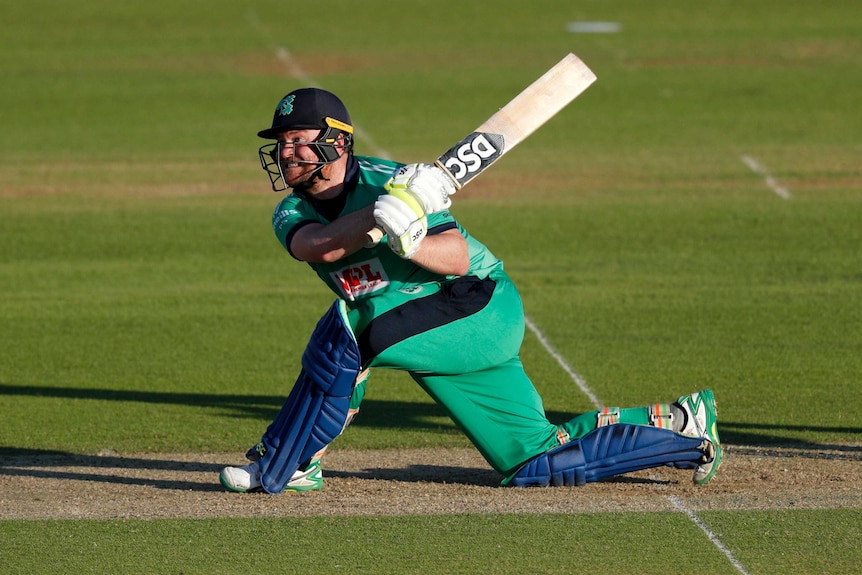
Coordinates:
(416, 481)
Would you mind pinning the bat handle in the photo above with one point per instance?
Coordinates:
(374, 236)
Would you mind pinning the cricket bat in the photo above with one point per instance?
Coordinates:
(512, 123)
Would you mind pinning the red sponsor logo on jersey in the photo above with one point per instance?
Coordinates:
(359, 279)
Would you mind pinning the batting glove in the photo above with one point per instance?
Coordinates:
(426, 183)
(401, 216)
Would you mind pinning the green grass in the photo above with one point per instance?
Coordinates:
(766, 542)
(792, 541)
(441, 544)
(145, 305)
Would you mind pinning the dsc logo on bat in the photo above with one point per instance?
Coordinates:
(471, 155)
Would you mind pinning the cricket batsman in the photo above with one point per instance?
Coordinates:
(430, 300)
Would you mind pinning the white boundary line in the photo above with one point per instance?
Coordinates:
(758, 169)
(675, 501)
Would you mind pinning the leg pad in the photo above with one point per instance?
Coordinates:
(316, 409)
(609, 451)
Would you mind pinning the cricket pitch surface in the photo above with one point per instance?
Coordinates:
(413, 482)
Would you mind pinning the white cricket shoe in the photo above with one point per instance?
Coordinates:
(247, 478)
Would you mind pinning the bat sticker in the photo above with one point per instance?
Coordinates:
(470, 156)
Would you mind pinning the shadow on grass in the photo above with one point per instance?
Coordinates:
(64, 466)
(770, 435)
(457, 476)
(408, 415)
(450, 475)
(60, 465)
(21, 461)
(375, 413)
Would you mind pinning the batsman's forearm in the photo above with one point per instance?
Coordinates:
(445, 254)
(338, 239)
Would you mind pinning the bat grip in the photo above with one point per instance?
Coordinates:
(374, 236)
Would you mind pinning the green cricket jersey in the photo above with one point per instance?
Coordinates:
(372, 272)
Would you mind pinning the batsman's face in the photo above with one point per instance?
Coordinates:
(296, 157)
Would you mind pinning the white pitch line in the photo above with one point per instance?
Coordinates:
(758, 169)
(295, 70)
(677, 502)
(581, 383)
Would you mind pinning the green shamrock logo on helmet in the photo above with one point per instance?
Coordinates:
(285, 107)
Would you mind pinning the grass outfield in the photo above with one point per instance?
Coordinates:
(145, 306)
(506, 544)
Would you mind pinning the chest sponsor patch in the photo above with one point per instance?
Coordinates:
(360, 279)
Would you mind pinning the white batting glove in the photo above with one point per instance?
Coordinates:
(401, 216)
(425, 182)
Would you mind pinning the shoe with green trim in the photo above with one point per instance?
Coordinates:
(247, 478)
(700, 421)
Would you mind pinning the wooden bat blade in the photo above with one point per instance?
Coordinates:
(534, 106)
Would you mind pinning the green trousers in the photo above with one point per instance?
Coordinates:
(461, 344)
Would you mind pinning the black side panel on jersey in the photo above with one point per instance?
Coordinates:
(457, 299)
